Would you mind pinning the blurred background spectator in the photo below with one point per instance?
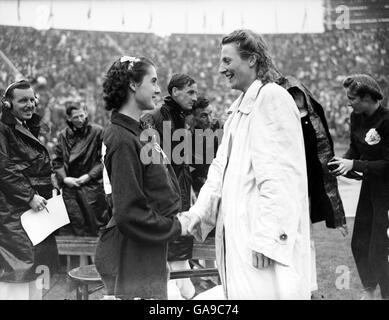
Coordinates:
(70, 65)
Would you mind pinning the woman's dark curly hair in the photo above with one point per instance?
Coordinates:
(250, 43)
(362, 85)
(117, 80)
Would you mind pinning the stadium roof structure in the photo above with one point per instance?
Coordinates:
(164, 17)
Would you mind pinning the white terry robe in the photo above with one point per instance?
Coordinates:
(264, 198)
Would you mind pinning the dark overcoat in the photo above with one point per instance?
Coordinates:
(326, 204)
(78, 152)
(25, 170)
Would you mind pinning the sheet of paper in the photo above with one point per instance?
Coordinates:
(40, 224)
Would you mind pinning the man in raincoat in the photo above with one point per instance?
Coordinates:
(79, 170)
(25, 183)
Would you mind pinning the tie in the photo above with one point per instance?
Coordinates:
(25, 125)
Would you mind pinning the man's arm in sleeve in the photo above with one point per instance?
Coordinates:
(278, 159)
(13, 182)
(58, 160)
(97, 170)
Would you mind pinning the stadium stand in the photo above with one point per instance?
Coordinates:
(67, 65)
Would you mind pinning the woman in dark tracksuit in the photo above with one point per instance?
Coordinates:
(145, 191)
(369, 154)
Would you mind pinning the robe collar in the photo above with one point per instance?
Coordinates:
(245, 101)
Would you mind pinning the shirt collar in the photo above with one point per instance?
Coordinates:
(22, 123)
(126, 122)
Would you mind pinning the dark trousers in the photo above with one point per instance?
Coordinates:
(142, 271)
(87, 209)
(370, 241)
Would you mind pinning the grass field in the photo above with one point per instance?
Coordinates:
(336, 271)
(337, 275)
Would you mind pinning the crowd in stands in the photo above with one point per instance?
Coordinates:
(70, 65)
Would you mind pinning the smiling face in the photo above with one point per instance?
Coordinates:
(239, 72)
(78, 118)
(23, 104)
(147, 91)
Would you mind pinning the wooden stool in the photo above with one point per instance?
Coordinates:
(82, 277)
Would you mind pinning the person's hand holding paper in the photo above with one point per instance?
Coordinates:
(40, 224)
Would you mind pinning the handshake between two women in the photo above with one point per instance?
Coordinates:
(190, 224)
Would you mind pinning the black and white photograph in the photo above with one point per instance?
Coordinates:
(205, 150)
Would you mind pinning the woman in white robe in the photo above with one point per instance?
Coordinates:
(264, 205)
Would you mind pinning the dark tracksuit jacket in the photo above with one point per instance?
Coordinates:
(145, 203)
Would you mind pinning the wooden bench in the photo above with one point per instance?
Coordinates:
(82, 247)
(82, 277)
(85, 247)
